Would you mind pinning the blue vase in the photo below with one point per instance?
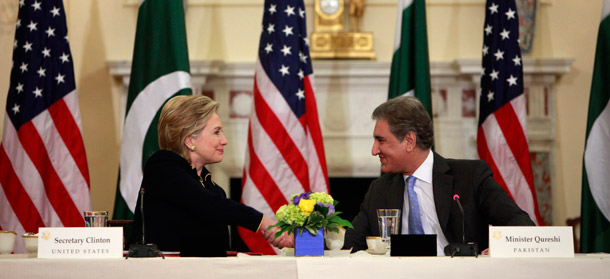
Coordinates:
(307, 244)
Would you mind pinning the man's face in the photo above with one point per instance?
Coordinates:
(392, 153)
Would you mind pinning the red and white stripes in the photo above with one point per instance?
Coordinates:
(285, 154)
(503, 145)
(45, 179)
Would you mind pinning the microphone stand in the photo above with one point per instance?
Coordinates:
(464, 248)
(142, 249)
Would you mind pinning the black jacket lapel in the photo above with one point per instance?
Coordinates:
(395, 196)
(443, 189)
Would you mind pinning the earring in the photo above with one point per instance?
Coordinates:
(192, 148)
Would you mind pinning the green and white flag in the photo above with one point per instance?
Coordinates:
(159, 71)
(410, 65)
(595, 211)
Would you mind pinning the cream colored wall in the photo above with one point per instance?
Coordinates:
(102, 30)
(569, 30)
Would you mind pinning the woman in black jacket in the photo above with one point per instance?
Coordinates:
(185, 210)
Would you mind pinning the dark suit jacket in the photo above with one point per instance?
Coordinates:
(182, 215)
(483, 200)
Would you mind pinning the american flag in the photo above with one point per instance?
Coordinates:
(502, 132)
(285, 154)
(45, 179)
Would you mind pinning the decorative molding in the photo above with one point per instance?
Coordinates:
(466, 2)
(358, 68)
(371, 3)
(211, 3)
(347, 91)
(537, 66)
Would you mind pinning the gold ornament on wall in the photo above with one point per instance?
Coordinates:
(331, 41)
(356, 11)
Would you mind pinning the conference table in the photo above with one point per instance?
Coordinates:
(359, 265)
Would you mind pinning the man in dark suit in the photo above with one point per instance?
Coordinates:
(416, 176)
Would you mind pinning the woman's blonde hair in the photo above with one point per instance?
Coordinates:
(183, 116)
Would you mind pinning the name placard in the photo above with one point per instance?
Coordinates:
(80, 243)
(531, 242)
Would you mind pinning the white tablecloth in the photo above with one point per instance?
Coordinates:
(582, 266)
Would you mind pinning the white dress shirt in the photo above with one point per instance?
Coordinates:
(425, 197)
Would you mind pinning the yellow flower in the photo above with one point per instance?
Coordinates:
(307, 206)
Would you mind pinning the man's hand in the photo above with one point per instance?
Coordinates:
(284, 240)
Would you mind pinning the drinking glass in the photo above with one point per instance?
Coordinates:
(389, 223)
(96, 218)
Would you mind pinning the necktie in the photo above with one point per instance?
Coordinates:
(415, 226)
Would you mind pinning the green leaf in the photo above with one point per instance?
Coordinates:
(345, 223)
(278, 224)
(316, 219)
(323, 210)
(312, 231)
(332, 227)
(340, 221)
(334, 214)
(284, 228)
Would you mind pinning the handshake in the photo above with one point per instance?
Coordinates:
(284, 240)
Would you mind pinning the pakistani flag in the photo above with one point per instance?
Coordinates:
(160, 70)
(595, 211)
(410, 66)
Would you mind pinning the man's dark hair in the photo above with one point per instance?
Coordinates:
(407, 114)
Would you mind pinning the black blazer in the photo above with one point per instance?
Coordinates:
(183, 215)
(484, 202)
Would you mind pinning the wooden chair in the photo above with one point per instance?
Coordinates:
(575, 224)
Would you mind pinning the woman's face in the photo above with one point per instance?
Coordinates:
(209, 143)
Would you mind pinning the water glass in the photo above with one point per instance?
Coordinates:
(389, 224)
(96, 218)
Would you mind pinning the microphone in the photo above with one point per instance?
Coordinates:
(141, 249)
(142, 212)
(464, 248)
(456, 198)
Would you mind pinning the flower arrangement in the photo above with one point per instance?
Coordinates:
(311, 212)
